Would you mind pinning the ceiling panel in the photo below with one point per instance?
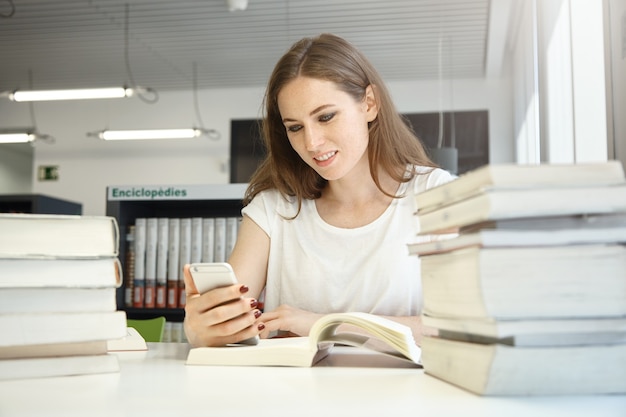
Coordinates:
(88, 43)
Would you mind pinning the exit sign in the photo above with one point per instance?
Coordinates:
(48, 173)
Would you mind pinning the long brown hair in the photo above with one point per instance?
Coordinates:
(392, 145)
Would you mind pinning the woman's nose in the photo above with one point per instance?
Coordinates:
(313, 138)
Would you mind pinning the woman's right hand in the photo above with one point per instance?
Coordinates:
(219, 316)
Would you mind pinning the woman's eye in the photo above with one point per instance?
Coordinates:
(294, 128)
(326, 117)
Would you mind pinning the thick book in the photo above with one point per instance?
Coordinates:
(574, 221)
(374, 332)
(496, 369)
(45, 350)
(54, 235)
(531, 332)
(26, 368)
(41, 328)
(57, 300)
(526, 282)
(494, 238)
(60, 273)
(516, 176)
(497, 204)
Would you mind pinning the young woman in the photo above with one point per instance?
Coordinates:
(328, 215)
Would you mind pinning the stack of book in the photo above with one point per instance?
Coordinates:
(58, 280)
(529, 295)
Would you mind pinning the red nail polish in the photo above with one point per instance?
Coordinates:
(261, 326)
(254, 303)
(243, 289)
(257, 314)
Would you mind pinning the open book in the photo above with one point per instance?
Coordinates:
(376, 333)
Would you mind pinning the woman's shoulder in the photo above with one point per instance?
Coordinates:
(429, 177)
(272, 200)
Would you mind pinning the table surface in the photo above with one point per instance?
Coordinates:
(349, 382)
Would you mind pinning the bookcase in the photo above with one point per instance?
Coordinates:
(37, 204)
(127, 203)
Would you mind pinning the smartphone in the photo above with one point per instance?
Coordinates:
(210, 275)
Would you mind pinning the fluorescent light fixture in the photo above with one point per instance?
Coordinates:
(74, 94)
(23, 137)
(149, 134)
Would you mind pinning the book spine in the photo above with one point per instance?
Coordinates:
(220, 239)
(208, 239)
(130, 267)
(196, 239)
(161, 264)
(140, 262)
(185, 257)
(173, 263)
(151, 261)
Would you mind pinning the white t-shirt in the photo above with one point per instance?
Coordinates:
(325, 269)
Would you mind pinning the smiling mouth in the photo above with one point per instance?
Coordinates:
(325, 156)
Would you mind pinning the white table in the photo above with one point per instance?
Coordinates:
(348, 383)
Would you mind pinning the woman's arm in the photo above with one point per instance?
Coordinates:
(229, 314)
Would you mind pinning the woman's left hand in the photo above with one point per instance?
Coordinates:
(289, 320)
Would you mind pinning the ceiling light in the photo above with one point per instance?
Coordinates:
(74, 94)
(23, 137)
(151, 134)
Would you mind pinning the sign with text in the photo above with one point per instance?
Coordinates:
(177, 192)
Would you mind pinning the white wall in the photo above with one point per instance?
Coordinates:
(87, 165)
(16, 168)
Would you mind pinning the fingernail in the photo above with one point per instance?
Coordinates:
(254, 303)
(243, 289)
(261, 326)
(257, 314)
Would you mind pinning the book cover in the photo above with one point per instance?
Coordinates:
(494, 238)
(55, 235)
(531, 332)
(517, 176)
(499, 204)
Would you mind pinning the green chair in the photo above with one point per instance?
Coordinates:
(150, 329)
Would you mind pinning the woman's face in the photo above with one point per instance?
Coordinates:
(326, 126)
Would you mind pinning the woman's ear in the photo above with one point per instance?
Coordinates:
(371, 103)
